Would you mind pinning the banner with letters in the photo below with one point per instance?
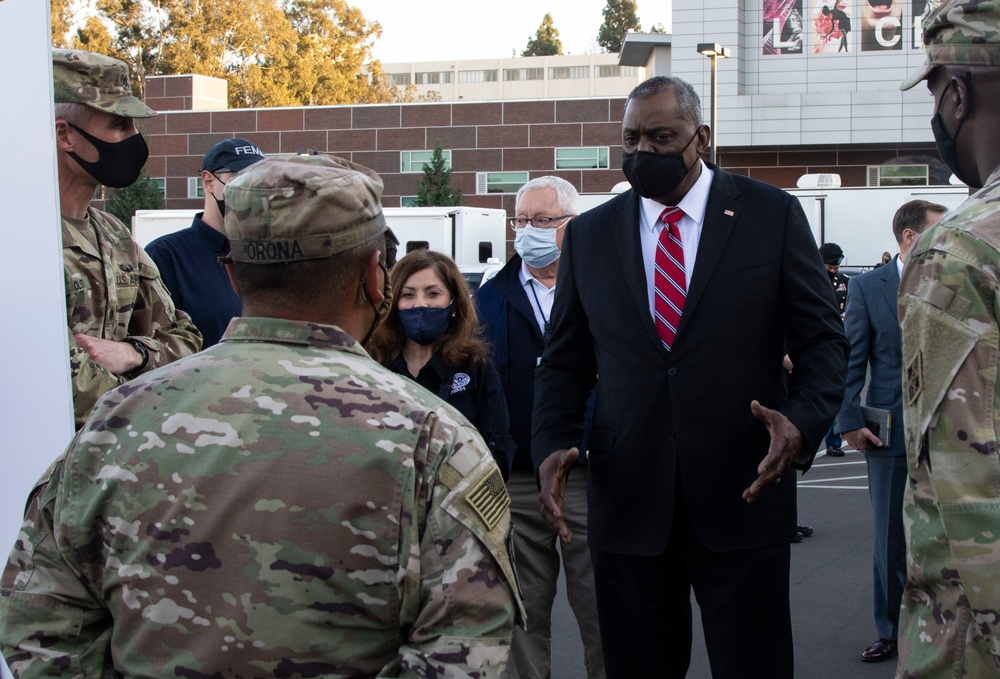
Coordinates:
(782, 27)
(841, 26)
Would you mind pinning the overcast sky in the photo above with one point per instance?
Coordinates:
(430, 30)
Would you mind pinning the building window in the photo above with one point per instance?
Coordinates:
(398, 79)
(568, 72)
(195, 189)
(587, 158)
(407, 201)
(161, 184)
(432, 78)
(500, 182)
(414, 161)
(99, 192)
(898, 175)
(484, 76)
(512, 74)
(615, 71)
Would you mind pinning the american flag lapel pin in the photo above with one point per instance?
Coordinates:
(729, 213)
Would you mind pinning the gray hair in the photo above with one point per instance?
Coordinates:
(566, 194)
(688, 101)
(77, 114)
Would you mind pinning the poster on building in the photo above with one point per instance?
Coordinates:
(831, 27)
(881, 25)
(921, 8)
(782, 27)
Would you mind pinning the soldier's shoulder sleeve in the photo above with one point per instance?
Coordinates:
(50, 619)
(468, 591)
(950, 309)
(947, 299)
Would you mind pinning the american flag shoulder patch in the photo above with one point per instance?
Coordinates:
(489, 499)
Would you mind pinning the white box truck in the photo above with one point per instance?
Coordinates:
(470, 235)
(148, 225)
(859, 220)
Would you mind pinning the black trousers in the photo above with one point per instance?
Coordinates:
(644, 608)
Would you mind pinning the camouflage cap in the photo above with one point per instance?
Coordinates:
(97, 81)
(960, 32)
(303, 207)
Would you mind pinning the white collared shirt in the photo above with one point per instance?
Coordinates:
(539, 296)
(694, 203)
(899, 266)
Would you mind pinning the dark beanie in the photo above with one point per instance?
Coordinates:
(831, 253)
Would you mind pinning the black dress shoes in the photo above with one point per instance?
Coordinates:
(835, 451)
(883, 649)
(805, 530)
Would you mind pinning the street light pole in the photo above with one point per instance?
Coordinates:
(714, 52)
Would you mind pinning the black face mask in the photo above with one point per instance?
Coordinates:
(948, 145)
(221, 204)
(653, 175)
(118, 164)
(425, 324)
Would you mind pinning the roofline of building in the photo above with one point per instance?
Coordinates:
(637, 47)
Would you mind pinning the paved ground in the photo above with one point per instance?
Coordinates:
(830, 587)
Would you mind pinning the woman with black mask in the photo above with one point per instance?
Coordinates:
(432, 336)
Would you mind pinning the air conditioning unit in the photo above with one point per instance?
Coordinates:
(818, 181)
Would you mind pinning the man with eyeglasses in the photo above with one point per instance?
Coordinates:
(188, 259)
(515, 308)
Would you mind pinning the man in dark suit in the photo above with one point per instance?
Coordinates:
(872, 326)
(693, 427)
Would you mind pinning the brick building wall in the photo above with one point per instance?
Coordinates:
(482, 137)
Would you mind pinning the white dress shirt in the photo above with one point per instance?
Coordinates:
(539, 296)
(694, 204)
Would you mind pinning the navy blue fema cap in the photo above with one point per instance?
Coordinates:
(231, 155)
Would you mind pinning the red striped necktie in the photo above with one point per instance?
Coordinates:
(669, 280)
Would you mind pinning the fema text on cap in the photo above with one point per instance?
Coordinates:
(247, 150)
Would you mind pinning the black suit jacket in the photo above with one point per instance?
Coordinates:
(680, 421)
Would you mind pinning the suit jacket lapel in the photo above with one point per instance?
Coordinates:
(721, 213)
(517, 296)
(627, 238)
(890, 286)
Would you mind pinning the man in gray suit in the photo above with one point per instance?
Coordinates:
(872, 327)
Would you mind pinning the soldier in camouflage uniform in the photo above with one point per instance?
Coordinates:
(121, 319)
(279, 505)
(950, 314)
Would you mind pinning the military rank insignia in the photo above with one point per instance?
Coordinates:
(489, 498)
(915, 378)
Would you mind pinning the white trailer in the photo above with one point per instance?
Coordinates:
(148, 225)
(859, 220)
(470, 235)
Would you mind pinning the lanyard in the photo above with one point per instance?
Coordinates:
(548, 326)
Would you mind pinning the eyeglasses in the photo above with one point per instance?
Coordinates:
(540, 222)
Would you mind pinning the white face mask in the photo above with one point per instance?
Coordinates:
(536, 246)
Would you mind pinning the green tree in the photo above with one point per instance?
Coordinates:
(434, 188)
(619, 18)
(546, 42)
(144, 194)
(271, 52)
(62, 15)
(658, 28)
